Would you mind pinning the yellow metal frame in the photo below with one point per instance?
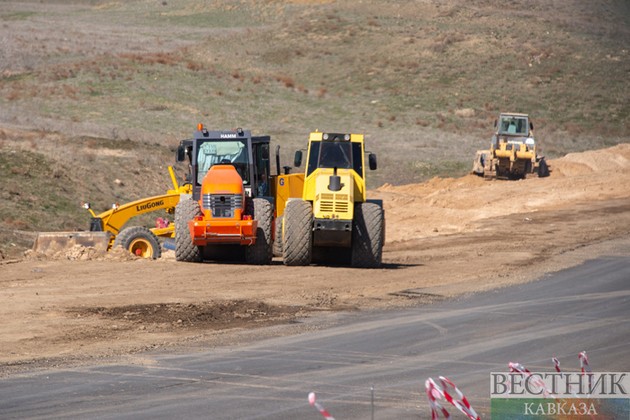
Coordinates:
(518, 151)
(114, 219)
(314, 187)
(286, 187)
(338, 204)
(328, 204)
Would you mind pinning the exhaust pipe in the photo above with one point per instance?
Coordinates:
(334, 183)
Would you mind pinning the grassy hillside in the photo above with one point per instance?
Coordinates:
(424, 80)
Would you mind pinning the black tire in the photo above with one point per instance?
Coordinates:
(528, 169)
(297, 240)
(277, 242)
(185, 250)
(500, 172)
(140, 241)
(368, 235)
(261, 252)
(543, 169)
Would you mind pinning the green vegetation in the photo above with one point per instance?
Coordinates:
(127, 80)
(9, 16)
(36, 188)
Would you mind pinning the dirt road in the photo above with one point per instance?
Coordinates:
(444, 238)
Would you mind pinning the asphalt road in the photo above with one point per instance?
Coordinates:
(583, 308)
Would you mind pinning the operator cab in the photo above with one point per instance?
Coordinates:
(516, 125)
(335, 151)
(248, 154)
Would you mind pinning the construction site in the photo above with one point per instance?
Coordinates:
(77, 303)
(135, 219)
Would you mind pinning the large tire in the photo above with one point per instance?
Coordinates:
(261, 252)
(528, 169)
(543, 169)
(297, 240)
(140, 241)
(185, 250)
(368, 235)
(277, 242)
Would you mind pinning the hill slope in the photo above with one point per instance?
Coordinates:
(94, 91)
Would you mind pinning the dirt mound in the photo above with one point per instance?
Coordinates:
(82, 253)
(613, 159)
(452, 205)
(203, 315)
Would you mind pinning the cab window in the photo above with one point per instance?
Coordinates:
(335, 154)
(215, 152)
(313, 156)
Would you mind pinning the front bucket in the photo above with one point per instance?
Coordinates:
(482, 160)
(50, 243)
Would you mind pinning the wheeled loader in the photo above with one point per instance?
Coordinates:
(513, 152)
(230, 211)
(106, 229)
(324, 213)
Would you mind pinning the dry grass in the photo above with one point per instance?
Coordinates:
(423, 80)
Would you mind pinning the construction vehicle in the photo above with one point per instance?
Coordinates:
(513, 151)
(239, 166)
(106, 229)
(284, 188)
(324, 212)
(230, 211)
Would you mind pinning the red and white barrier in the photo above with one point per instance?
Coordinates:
(519, 368)
(312, 401)
(584, 362)
(556, 363)
(584, 366)
(445, 390)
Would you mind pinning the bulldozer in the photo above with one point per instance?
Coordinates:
(108, 229)
(230, 210)
(323, 212)
(513, 152)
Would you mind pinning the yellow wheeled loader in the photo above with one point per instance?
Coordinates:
(513, 152)
(105, 228)
(323, 213)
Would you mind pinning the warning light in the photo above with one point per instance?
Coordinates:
(203, 129)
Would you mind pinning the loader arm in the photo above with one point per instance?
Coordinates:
(113, 220)
(105, 227)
